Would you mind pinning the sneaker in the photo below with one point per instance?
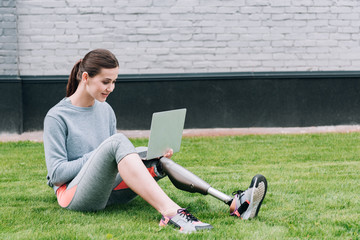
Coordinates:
(246, 204)
(185, 221)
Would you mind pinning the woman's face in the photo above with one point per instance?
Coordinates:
(100, 86)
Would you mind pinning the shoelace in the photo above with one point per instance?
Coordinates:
(189, 217)
(237, 192)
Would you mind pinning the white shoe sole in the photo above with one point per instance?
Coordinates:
(257, 196)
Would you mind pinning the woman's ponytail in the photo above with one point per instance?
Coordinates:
(73, 81)
(92, 63)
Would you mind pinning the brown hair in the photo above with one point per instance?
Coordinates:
(92, 63)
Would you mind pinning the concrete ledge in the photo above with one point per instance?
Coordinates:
(38, 135)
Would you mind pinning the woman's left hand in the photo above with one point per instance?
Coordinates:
(169, 153)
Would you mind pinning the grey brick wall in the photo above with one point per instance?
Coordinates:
(175, 36)
(8, 38)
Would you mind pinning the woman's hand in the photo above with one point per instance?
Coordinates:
(169, 153)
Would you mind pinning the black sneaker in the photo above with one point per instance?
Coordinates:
(246, 204)
(185, 221)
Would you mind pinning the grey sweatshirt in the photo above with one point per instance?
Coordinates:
(71, 134)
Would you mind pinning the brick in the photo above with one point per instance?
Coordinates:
(299, 34)
(72, 31)
(231, 10)
(327, 42)
(318, 36)
(326, 16)
(339, 9)
(318, 9)
(205, 9)
(40, 10)
(106, 45)
(227, 51)
(338, 36)
(41, 25)
(112, 10)
(303, 3)
(137, 65)
(181, 37)
(138, 3)
(261, 56)
(205, 23)
(158, 51)
(234, 3)
(133, 24)
(256, 3)
(284, 43)
(226, 37)
(318, 23)
(236, 30)
(78, 45)
(136, 10)
(249, 24)
(164, 3)
(125, 17)
(214, 44)
(8, 39)
(226, 64)
(137, 38)
(178, 23)
(182, 9)
(102, 31)
(7, 24)
(8, 3)
(323, 3)
(305, 16)
(277, 17)
(8, 17)
(280, 3)
(5, 10)
(149, 17)
(31, 59)
(252, 9)
(74, 38)
(296, 63)
(250, 63)
(348, 29)
(273, 10)
(158, 38)
(148, 31)
(213, 30)
(339, 22)
(177, 64)
(191, 43)
(348, 16)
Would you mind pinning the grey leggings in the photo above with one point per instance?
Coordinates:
(98, 183)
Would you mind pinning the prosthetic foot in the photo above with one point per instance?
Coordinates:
(185, 180)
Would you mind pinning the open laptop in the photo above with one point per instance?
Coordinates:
(165, 133)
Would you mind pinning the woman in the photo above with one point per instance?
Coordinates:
(91, 166)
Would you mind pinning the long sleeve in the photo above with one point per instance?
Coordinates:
(60, 169)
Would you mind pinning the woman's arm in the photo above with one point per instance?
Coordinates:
(60, 169)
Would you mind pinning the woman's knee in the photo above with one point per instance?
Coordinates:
(121, 146)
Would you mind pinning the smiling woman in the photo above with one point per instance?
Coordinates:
(88, 163)
(92, 78)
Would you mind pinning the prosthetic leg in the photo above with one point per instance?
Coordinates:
(185, 180)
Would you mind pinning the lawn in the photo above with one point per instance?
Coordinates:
(313, 191)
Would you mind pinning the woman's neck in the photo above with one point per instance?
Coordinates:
(81, 98)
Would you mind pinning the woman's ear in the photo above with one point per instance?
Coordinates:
(84, 77)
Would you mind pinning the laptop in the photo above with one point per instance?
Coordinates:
(165, 132)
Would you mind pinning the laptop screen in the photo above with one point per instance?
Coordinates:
(166, 132)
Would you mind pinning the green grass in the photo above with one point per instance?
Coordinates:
(313, 191)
